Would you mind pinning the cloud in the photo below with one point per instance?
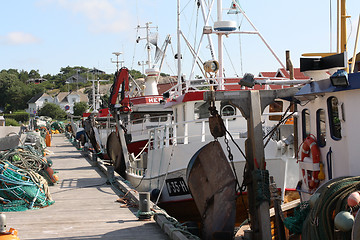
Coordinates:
(101, 15)
(18, 38)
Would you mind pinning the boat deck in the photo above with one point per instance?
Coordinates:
(85, 205)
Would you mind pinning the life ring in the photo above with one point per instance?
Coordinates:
(310, 162)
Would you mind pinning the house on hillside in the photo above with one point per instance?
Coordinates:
(282, 73)
(37, 102)
(76, 78)
(36, 80)
(66, 100)
(96, 71)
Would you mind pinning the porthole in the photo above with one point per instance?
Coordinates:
(228, 110)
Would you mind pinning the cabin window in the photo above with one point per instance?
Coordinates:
(276, 107)
(321, 127)
(201, 110)
(334, 120)
(305, 116)
(228, 110)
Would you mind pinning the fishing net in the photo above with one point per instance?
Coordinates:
(22, 189)
(295, 223)
(319, 224)
(29, 158)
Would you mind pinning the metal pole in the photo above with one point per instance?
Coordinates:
(220, 47)
(179, 83)
(355, 47)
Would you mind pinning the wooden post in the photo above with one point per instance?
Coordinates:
(255, 138)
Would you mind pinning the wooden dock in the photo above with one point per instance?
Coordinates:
(85, 205)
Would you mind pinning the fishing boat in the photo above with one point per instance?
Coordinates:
(154, 155)
(328, 152)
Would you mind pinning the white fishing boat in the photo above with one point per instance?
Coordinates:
(157, 156)
(328, 132)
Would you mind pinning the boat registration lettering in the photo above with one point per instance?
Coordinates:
(176, 186)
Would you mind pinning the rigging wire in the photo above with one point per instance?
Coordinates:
(185, 6)
(133, 58)
(240, 46)
(197, 21)
(347, 40)
(173, 54)
(232, 64)
(330, 26)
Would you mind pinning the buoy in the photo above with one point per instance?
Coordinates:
(353, 199)
(6, 235)
(344, 221)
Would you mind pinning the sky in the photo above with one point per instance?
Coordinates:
(46, 35)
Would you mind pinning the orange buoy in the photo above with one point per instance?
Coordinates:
(48, 140)
(6, 235)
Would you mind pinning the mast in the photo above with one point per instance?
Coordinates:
(148, 44)
(179, 83)
(341, 26)
(147, 38)
(151, 72)
(220, 47)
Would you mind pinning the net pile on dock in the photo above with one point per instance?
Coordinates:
(22, 189)
(25, 175)
(28, 158)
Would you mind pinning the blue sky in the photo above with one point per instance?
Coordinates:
(46, 35)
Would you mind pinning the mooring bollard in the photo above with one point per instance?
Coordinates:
(144, 212)
(110, 173)
(93, 159)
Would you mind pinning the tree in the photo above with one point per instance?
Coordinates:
(136, 74)
(52, 110)
(80, 108)
(34, 74)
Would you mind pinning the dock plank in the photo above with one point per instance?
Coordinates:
(85, 205)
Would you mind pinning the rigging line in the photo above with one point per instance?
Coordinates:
(189, 25)
(185, 6)
(137, 12)
(232, 64)
(197, 61)
(240, 46)
(167, 171)
(237, 146)
(133, 59)
(281, 119)
(171, 70)
(330, 25)
(196, 22)
(347, 40)
(173, 54)
(242, 187)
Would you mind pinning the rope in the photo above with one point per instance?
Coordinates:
(167, 171)
(333, 199)
(22, 189)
